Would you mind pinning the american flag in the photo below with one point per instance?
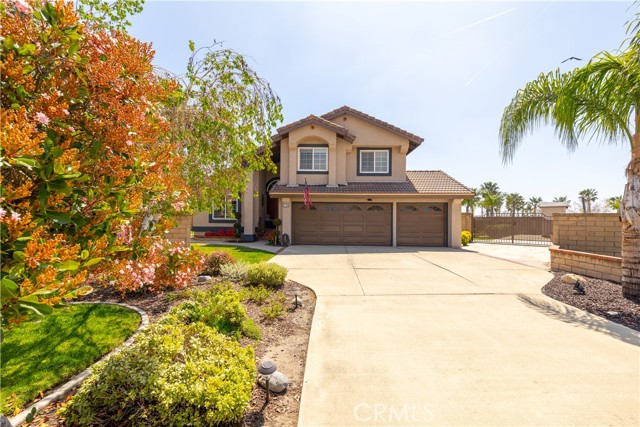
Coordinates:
(307, 196)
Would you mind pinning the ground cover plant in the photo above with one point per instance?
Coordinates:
(240, 253)
(175, 374)
(38, 355)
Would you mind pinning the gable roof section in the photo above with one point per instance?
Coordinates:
(418, 182)
(414, 140)
(437, 182)
(342, 132)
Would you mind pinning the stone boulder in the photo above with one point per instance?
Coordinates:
(279, 382)
(572, 279)
(203, 279)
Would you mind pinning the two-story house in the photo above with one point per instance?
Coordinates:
(361, 193)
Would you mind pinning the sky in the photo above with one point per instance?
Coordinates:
(442, 70)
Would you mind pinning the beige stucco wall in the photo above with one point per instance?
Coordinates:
(343, 155)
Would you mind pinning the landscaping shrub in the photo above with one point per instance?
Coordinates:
(228, 232)
(220, 308)
(272, 237)
(276, 307)
(466, 238)
(174, 375)
(215, 260)
(236, 272)
(257, 294)
(267, 274)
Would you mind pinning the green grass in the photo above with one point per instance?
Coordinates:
(240, 253)
(38, 355)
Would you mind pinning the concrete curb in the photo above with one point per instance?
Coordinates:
(64, 390)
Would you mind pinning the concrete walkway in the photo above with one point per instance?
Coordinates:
(408, 336)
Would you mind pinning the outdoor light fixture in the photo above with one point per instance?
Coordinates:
(267, 368)
(285, 205)
(296, 293)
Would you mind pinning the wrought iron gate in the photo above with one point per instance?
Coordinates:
(528, 229)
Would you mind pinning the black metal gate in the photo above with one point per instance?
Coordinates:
(527, 229)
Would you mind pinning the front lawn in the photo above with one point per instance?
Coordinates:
(240, 253)
(38, 355)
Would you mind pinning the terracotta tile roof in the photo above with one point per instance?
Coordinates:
(414, 140)
(283, 131)
(418, 182)
(437, 182)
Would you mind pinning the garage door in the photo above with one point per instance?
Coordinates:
(342, 224)
(422, 224)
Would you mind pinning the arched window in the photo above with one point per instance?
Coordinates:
(408, 209)
(375, 208)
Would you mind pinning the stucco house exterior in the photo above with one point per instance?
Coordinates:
(361, 192)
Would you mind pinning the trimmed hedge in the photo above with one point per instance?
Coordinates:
(267, 274)
(174, 375)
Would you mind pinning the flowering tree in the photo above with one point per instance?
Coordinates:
(88, 174)
(223, 118)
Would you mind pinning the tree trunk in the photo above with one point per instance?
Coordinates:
(630, 216)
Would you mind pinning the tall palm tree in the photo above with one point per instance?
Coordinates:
(514, 202)
(599, 101)
(470, 204)
(491, 197)
(535, 203)
(561, 199)
(587, 196)
(614, 203)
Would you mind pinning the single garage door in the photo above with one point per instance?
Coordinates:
(422, 224)
(342, 224)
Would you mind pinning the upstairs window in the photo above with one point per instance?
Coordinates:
(374, 162)
(312, 159)
(226, 210)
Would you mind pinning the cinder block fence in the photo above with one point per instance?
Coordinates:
(588, 244)
(181, 233)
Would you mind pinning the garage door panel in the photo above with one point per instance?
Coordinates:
(421, 224)
(342, 223)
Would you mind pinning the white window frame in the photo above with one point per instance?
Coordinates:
(374, 171)
(225, 209)
(325, 150)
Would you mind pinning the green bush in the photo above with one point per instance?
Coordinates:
(174, 375)
(257, 294)
(215, 260)
(267, 274)
(466, 238)
(276, 307)
(236, 272)
(220, 308)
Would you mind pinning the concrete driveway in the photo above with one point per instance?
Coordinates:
(408, 336)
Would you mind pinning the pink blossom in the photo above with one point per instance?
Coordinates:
(42, 118)
(22, 6)
(72, 129)
(65, 111)
(2, 214)
(15, 216)
(129, 142)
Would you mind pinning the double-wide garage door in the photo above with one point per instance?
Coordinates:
(342, 224)
(418, 224)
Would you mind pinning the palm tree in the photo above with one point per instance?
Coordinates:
(514, 202)
(491, 197)
(598, 101)
(561, 199)
(535, 202)
(470, 204)
(614, 203)
(587, 196)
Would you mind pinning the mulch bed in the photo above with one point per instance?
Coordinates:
(602, 298)
(284, 341)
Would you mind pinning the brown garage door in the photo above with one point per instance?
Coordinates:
(342, 224)
(422, 224)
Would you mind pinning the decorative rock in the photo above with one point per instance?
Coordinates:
(571, 279)
(279, 382)
(4, 421)
(613, 313)
(202, 279)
